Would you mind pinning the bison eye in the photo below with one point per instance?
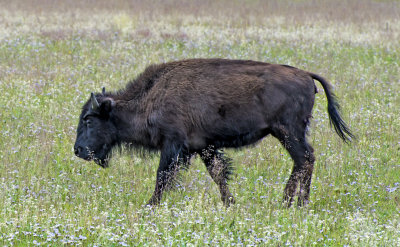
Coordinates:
(88, 122)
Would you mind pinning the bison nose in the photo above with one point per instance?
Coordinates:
(77, 150)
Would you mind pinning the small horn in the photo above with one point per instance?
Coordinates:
(95, 104)
(103, 91)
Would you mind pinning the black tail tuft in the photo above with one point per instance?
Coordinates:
(338, 123)
(334, 111)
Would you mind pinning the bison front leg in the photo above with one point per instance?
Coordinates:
(173, 155)
(219, 168)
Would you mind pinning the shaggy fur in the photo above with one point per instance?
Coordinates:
(202, 105)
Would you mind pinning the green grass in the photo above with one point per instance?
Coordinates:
(50, 61)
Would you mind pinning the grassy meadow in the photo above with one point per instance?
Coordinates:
(52, 55)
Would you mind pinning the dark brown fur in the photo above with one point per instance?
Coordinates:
(202, 105)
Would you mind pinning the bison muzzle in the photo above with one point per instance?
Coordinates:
(200, 106)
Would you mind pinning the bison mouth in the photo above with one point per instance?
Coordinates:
(100, 157)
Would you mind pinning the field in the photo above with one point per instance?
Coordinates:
(52, 55)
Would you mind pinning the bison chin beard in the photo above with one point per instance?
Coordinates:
(102, 162)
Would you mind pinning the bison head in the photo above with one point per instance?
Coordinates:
(96, 133)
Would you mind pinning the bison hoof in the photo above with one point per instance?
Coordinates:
(287, 201)
(153, 202)
(228, 201)
(302, 202)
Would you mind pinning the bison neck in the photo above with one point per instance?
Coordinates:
(133, 129)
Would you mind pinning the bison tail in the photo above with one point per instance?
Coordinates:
(334, 111)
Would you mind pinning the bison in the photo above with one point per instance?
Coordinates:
(200, 106)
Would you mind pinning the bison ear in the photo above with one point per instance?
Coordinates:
(106, 106)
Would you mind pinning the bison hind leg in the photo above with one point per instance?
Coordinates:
(219, 167)
(302, 154)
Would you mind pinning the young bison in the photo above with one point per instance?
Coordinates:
(200, 106)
